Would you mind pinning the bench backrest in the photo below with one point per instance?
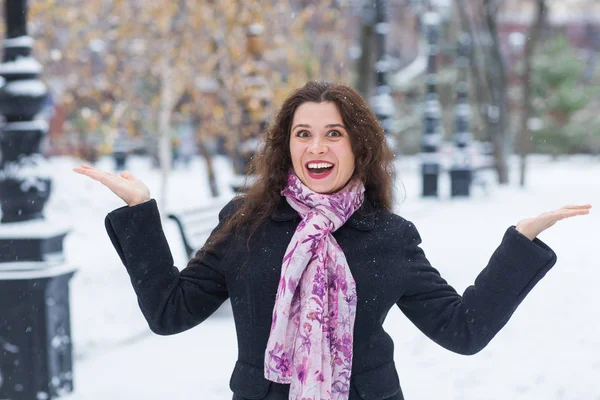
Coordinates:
(196, 224)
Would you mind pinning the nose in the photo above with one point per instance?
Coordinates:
(317, 146)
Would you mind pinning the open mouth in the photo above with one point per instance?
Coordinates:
(319, 169)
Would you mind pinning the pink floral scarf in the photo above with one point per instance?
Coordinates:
(310, 345)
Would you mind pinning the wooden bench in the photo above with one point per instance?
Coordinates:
(196, 224)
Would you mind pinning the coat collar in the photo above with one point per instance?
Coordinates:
(363, 219)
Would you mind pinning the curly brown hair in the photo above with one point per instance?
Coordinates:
(272, 163)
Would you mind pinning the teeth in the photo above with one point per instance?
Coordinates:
(319, 165)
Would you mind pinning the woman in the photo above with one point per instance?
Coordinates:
(313, 259)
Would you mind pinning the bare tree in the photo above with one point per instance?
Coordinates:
(127, 65)
(533, 38)
(489, 72)
(364, 79)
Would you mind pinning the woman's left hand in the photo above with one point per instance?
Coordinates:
(531, 227)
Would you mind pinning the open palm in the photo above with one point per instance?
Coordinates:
(129, 188)
(531, 227)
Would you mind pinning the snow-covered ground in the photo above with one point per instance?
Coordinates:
(549, 350)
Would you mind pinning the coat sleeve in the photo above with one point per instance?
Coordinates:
(466, 324)
(170, 300)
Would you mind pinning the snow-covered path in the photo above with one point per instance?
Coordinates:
(549, 350)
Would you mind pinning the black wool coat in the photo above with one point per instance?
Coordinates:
(386, 261)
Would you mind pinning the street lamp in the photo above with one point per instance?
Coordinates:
(461, 171)
(22, 194)
(382, 102)
(432, 135)
(35, 335)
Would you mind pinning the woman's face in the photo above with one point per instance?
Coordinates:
(320, 147)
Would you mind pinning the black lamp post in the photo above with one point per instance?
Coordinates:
(432, 136)
(461, 170)
(382, 102)
(22, 194)
(35, 337)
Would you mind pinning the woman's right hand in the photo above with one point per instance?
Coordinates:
(129, 188)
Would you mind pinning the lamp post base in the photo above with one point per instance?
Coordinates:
(35, 331)
(460, 182)
(430, 173)
(37, 240)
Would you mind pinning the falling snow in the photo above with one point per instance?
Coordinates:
(549, 349)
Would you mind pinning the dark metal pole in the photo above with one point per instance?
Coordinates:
(432, 136)
(382, 102)
(461, 170)
(35, 333)
(16, 18)
(23, 191)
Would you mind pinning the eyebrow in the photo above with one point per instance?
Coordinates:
(329, 126)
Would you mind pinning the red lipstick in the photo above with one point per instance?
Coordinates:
(320, 175)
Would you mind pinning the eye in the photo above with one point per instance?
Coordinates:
(334, 133)
(302, 134)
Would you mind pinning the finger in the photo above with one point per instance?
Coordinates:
(116, 184)
(127, 175)
(84, 167)
(570, 208)
(559, 215)
(579, 212)
(88, 167)
(87, 171)
(576, 207)
(91, 174)
(83, 171)
(100, 176)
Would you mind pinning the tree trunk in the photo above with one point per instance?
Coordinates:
(212, 179)
(164, 128)
(500, 157)
(498, 119)
(488, 69)
(525, 142)
(365, 76)
(223, 73)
